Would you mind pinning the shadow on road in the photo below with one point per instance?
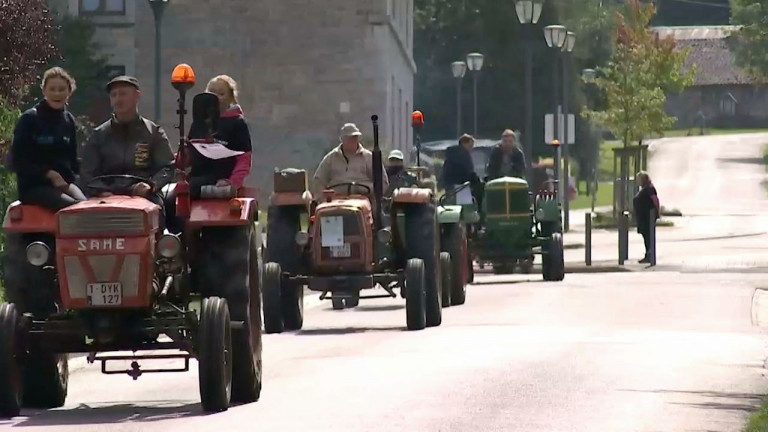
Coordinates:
(104, 413)
(380, 308)
(753, 160)
(505, 281)
(347, 330)
(747, 402)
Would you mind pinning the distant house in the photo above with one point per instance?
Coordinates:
(722, 94)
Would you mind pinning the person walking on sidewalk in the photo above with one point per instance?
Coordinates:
(645, 200)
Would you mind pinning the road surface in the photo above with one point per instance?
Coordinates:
(614, 352)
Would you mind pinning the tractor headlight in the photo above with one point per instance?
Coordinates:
(38, 253)
(168, 246)
(302, 238)
(384, 235)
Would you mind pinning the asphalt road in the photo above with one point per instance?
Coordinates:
(614, 352)
(639, 351)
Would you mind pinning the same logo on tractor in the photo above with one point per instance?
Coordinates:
(84, 245)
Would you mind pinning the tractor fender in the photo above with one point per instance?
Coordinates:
(211, 213)
(21, 218)
(450, 214)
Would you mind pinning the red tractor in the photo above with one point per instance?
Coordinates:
(355, 240)
(102, 276)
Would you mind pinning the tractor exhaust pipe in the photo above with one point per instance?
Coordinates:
(378, 175)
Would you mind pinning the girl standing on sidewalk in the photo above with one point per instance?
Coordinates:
(645, 200)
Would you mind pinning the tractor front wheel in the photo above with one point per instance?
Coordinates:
(273, 306)
(11, 382)
(215, 355)
(445, 278)
(415, 294)
(422, 237)
(552, 261)
(456, 245)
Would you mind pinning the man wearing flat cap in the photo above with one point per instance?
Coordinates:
(127, 144)
(348, 162)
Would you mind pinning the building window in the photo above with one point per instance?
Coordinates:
(113, 71)
(102, 7)
(401, 121)
(392, 111)
(407, 145)
(728, 105)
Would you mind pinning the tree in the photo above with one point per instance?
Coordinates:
(749, 42)
(8, 117)
(643, 68)
(26, 45)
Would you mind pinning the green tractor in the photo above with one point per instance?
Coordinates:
(515, 228)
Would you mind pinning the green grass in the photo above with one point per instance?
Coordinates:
(707, 131)
(604, 197)
(758, 421)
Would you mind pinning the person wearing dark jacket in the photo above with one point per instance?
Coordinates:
(645, 201)
(44, 147)
(506, 159)
(458, 167)
(127, 144)
(232, 132)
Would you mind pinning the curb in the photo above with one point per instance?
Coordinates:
(585, 269)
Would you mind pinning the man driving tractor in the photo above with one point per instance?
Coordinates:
(348, 162)
(398, 176)
(506, 159)
(127, 144)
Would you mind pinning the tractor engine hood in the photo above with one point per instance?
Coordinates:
(114, 215)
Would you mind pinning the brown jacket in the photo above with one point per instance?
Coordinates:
(336, 167)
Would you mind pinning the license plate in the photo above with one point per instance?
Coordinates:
(343, 251)
(104, 294)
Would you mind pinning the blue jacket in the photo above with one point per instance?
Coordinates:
(458, 167)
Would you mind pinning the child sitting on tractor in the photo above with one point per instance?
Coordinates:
(231, 131)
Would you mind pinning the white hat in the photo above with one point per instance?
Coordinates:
(350, 129)
(395, 154)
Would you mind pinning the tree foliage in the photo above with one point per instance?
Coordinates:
(748, 44)
(26, 45)
(643, 68)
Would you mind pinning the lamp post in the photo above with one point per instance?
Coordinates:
(588, 76)
(555, 36)
(158, 6)
(570, 43)
(458, 68)
(475, 63)
(528, 13)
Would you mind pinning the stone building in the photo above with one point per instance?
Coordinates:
(722, 95)
(303, 67)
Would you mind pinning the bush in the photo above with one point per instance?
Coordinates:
(8, 117)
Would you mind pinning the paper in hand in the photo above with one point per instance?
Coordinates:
(215, 150)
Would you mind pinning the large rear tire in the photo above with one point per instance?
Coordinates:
(415, 295)
(456, 245)
(11, 380)
(421, 241)
(445, 278)
(46, 376)
(283, 222)
(229, 269)
(215, 355)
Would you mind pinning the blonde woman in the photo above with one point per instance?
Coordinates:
(233, 131)
(645, 200)
(44, 147)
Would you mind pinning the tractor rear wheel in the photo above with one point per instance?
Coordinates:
(552, 261)
(415, 284)
(46, 376)
(273, 309)
(421, 241)
(11, 380)
(456, 245)
(283, 223)
(228, 267)
(215, 355)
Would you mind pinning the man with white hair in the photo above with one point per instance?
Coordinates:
(506, 159)
(348, 162)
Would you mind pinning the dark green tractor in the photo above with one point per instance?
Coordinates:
(516, 227)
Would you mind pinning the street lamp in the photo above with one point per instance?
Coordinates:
(555, 36)
(458, 68)
(158, 6)
(475, 63)
(528, 13)
(567, 49)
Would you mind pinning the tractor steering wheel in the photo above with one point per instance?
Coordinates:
(452, 193)
(349, 187)
(109, 182)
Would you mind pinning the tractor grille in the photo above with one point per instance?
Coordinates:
(112, 223)
(355, 236)
(103, 267)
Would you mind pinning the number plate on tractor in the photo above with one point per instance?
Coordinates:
(104, 294)
(343, 251)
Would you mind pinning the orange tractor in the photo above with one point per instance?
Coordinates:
(102, 276)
